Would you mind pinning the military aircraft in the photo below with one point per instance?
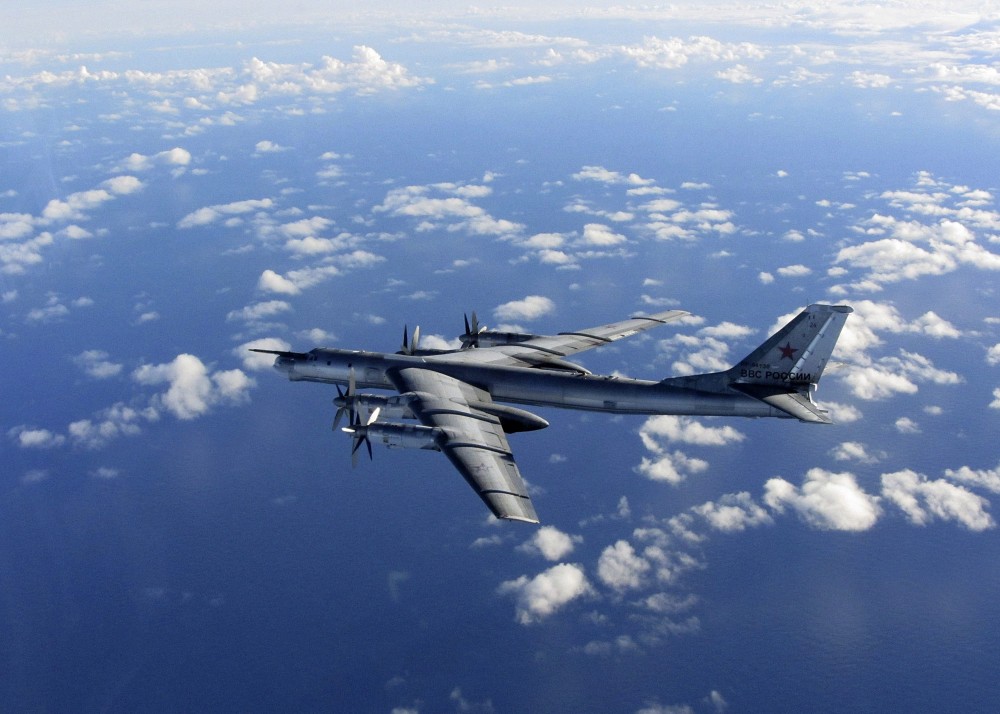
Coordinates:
(451, 399)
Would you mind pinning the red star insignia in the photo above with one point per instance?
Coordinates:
(788, 351)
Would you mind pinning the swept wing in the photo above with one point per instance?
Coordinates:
(550, 350)
(471, 438)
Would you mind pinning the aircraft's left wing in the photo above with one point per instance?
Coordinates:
(568, 343)
(472, 439)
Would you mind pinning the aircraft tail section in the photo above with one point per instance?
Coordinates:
(785, 369)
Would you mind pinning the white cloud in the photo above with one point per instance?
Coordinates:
(95, 364)
(601, 235)
(546, 593)
(674, 52)
(794, 271)
(268, 147)
(905, 425)
(739, 74)
(733, 512)
(295, 281)
(603, 175)
(913, 250)
(259, 311)
(210, 214)
(551, 543)
(686, 430)
(531, 307)
(171, 157)
(117, 420)
(982, 478)
(192, 390)
(826, 500)
(30, 438)
(447, 206)
(923, 500)
(620, 568)
(853, 451)
(671, 467)
(869, 80)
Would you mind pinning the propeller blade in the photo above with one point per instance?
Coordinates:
(416, 340)
(406, 341)
(472, 330)
(345, 401)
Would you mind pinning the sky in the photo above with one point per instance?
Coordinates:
(181, 531)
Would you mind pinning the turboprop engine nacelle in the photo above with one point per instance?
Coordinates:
(393, 407)
(405, 436)
(492, 338)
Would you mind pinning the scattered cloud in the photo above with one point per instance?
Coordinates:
(192, 390)
(923, 500)
(95, 363)
(212, 214)
(550, 543)
(529, 308)
(826, 500)
(543, 595)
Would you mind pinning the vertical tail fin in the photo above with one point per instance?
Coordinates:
(784, 370)
(797, 354)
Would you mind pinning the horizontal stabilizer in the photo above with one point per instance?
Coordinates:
(796, 404)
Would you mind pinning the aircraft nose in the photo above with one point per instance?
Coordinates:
(283, 364)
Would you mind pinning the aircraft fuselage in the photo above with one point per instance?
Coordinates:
(526, 385)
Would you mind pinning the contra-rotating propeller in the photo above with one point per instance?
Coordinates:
(473, 330)
(359, 434)
(345, 401)
(410, 348)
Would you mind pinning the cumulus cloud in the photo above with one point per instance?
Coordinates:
(32, 438)
(671, 467)
(674, 466)
(531, 307)
(923, 500)
(192, 390)
(597, 234)
(733, 512)
(826, 500)
(259, 311)
(895, 375)
(541, 596)
(675, 52)
(95, 363)
(75, 206)
(447, 206)
(686, 430)
(911, 249)
(210, 214)
(705, 351)
(118, 420)
(853, 451)
(603, 175)
(176, 157)
(621, 568)
(550, 543)
(981, 478)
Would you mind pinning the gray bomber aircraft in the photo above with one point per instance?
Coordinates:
(451, 397)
